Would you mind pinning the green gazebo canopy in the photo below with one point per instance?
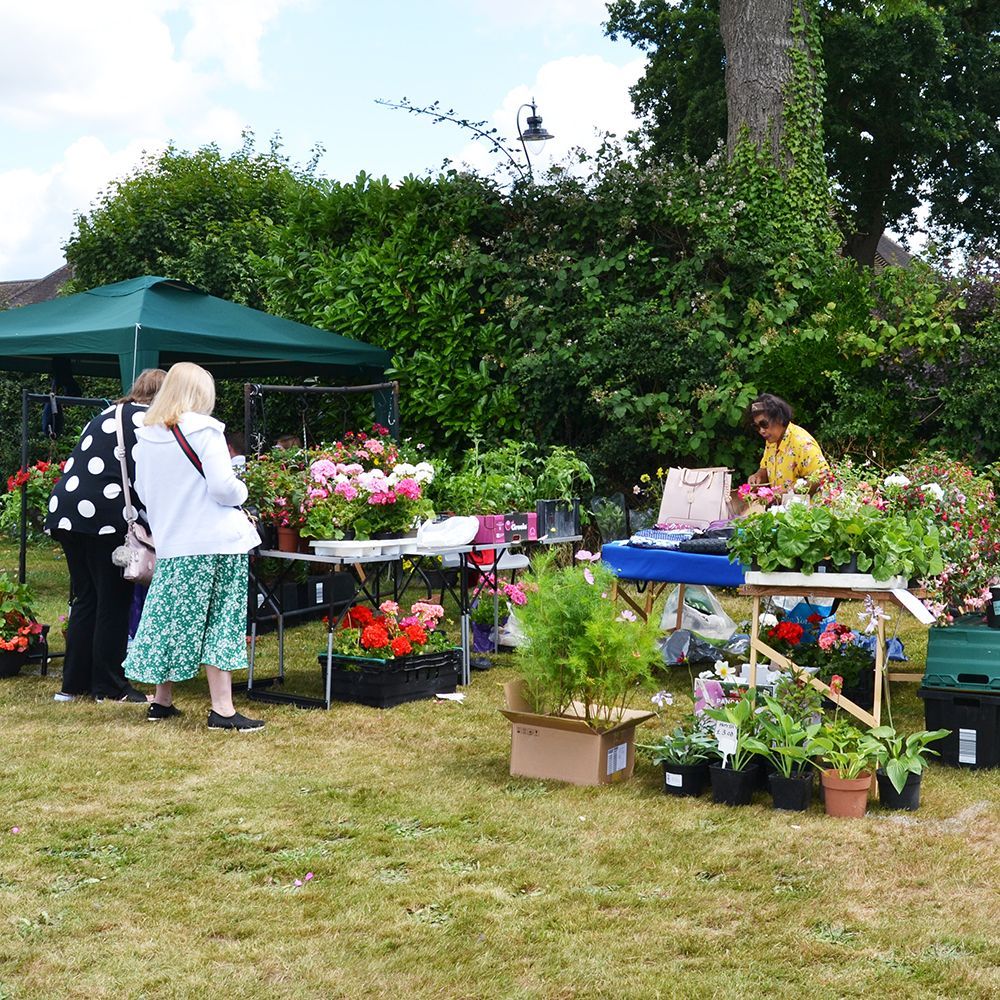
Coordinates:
(151, 322)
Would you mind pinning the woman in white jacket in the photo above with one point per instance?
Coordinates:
(195, 613)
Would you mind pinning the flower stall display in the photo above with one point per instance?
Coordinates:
(20, 633)
(383, 658)
(964, 506)
(37, 481)
(580, 666)
(276, 489)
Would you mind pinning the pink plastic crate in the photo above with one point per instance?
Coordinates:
(491, 529)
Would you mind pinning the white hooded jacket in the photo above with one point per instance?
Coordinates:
(190, 514)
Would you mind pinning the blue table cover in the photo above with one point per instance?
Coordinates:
(631, 562)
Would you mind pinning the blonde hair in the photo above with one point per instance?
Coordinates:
(187, 387)
(145, 387)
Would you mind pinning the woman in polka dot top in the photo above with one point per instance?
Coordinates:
(87, 517)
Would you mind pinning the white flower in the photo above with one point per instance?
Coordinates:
(934, 489)
(423, 472)
(707, 675)
(767, 620)
(662, 698)
(896, 480)
(404, 469)
(801, 486)
(723, 670)
(627, 616)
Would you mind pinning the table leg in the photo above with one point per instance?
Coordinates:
(879, 667)
(681, 590)
(463, 608)
(754, 638)
(329, 665)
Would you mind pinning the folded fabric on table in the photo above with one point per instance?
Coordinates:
(658, 538)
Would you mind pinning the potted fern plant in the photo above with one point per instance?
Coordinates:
(580, 666)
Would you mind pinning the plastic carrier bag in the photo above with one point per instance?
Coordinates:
(702, 614)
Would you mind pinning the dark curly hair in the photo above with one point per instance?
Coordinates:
(772, 407)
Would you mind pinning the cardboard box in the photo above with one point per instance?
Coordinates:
(565, 747)
(520, 527)
(491, 529)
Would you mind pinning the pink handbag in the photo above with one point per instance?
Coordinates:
(696, 497)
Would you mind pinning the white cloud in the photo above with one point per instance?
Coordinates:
(124, 62)
(38, 206)
(579, 98)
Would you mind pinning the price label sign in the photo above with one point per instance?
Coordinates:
(725, 734)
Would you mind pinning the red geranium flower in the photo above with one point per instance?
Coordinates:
(400, 646)
(416, 634)
(374, 637)
(814, 619)
(359, 616)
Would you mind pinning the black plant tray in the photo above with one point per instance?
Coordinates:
(385, 683)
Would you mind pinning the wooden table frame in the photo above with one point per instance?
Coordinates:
(882, 598)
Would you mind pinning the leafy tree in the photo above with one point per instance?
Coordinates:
(911, 112)
(200, 217)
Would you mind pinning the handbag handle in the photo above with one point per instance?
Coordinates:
(120, 450)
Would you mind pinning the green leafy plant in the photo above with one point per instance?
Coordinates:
(804, 536)
(37, 481)
(783, 738)
(900, 756)
(564, 475)
(843, 747)
(579, 647)
(743, 715)
(692, 742)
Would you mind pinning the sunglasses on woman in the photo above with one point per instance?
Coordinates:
(762, 424)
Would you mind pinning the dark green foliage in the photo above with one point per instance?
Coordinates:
(911, 112)
(200, 217)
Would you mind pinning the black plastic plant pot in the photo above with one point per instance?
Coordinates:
(908, 798)
(685, 779)
(732, 788)
(794, 793)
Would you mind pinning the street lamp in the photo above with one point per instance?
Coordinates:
(533, 133)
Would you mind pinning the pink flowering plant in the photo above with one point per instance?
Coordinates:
(276, 486)
(510, 596)
(963, 504)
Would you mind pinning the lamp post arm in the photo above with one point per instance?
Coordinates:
(433, 110)
(520, 135)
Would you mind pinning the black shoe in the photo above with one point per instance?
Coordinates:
(236, 722)
(131, 695)
(158, 712)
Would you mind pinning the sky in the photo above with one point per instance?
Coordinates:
(86, 88)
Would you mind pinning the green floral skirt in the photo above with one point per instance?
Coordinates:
(195, 613)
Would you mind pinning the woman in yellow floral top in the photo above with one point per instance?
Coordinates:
(790, 452)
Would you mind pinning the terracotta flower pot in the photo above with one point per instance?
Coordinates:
(846, 797)
(288, 539)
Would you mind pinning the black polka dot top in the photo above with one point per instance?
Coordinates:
(88, 497)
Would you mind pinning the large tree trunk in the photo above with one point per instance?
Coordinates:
(758, 38)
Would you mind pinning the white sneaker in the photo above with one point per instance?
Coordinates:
(62, 696)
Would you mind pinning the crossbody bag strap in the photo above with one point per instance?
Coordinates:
(191, 454)
(120, 434)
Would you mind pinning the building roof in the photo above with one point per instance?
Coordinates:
(889, 253)
(32, 290)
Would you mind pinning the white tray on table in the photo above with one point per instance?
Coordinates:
(840, 581)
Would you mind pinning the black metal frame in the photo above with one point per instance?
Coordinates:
(254, 393)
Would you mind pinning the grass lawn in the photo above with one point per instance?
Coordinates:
(160, 861)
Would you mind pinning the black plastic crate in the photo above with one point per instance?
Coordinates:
(558, 518)
(974, 721)
(385, 683)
